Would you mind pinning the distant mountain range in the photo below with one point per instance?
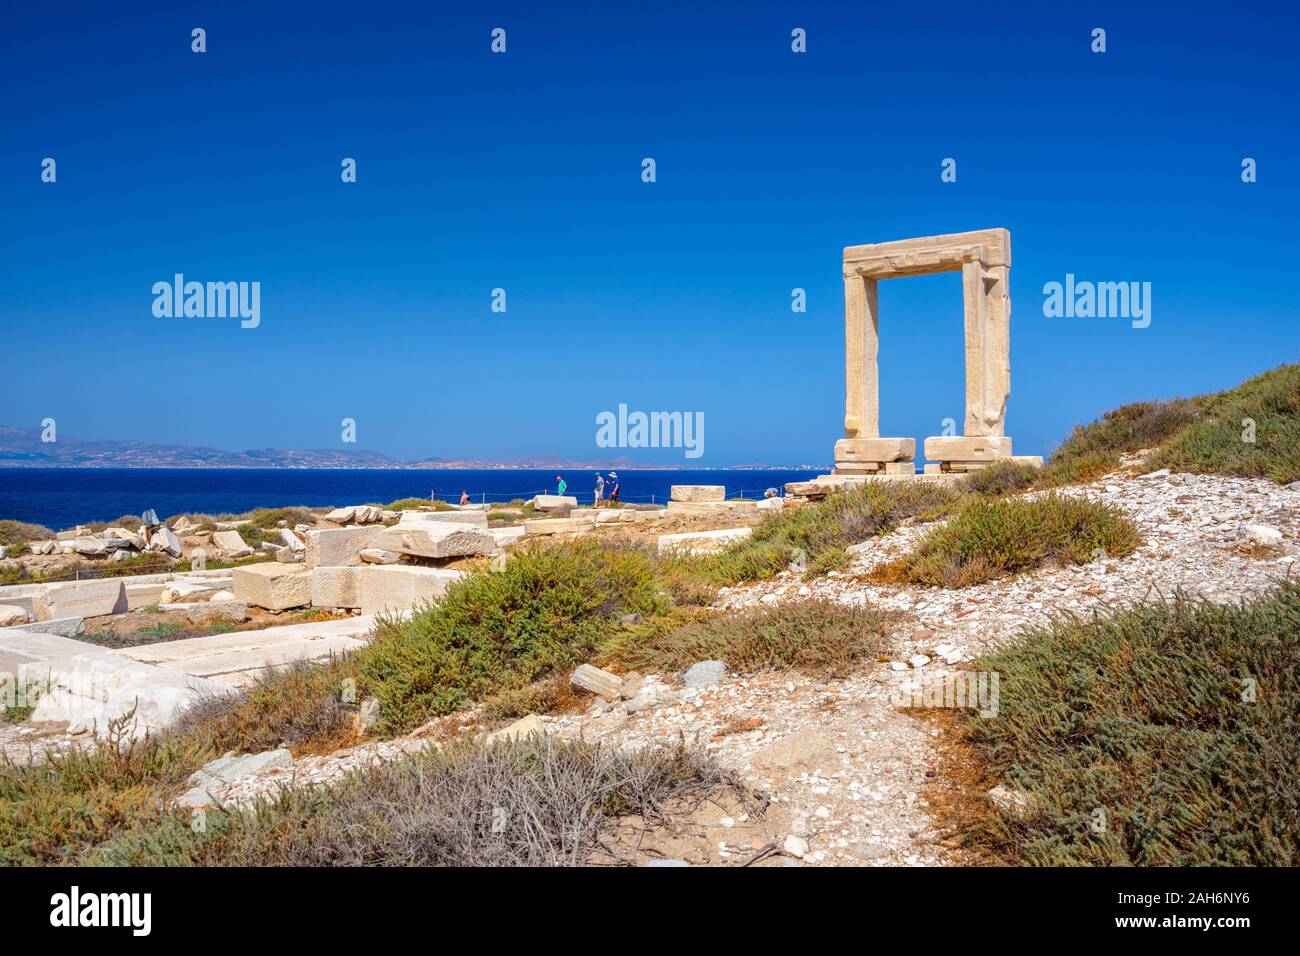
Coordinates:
(22, 447)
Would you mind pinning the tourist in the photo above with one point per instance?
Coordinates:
(613, 489)
(464, 498)
(563, 485)
(600, 490)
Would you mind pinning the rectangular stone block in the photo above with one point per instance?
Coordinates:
(272, 585)
(596, 681)
(435, 539)
(85, 598)
(337, 547)
(698, 493)
(336, 587)
(900, 468)
(394, 588)
(554, 502)
(874, 450)
(559, 525)
(968, 447)
(477, 517)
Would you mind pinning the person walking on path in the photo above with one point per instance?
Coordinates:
(600, 490)
(563, 485)
(613, 489)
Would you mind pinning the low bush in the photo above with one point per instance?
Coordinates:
(548, 609)
(986, 539)
(1166, 734)
(817, 637)
(21, 532)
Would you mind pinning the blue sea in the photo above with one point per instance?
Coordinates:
(63, 497)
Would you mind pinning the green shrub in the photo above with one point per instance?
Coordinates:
(1224, 441)
(548, 609)
(51, 810)
(1094, 449)
(1178, 720)
(814, 636)
(1000, 478)
(820, 531)
(413, 504)
(986, 539)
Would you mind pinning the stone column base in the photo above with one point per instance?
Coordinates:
(963, 453)
(871, 456)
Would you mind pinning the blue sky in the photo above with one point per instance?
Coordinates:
(522, 171)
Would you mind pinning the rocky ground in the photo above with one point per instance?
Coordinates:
(848, 774)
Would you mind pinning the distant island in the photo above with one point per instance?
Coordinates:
(23, 448)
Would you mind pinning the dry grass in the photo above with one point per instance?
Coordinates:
(537, 802)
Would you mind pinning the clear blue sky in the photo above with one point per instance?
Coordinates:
(522, 171)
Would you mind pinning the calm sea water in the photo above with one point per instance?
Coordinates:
(63, 497)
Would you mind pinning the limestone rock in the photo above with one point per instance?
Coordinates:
(378, 556)
(336, 587)
(554, 502)
(435, 539)
(796, 846)
(597, 681)
(274, 586)
(705, 674)
(335, 547)
(967, 447)
(11, 615)
(228, 769)
(395, 588)
(1263, 534)
(231, 544)
(164, 540)
(291, 541)
(698, 493)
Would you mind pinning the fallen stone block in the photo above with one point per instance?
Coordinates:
(89, 686)
(435, 539)
(90, 547)
(554, 502)
(185, 590)
(771, 504)
(596, 681)
(702, 542)
(336, 547)
(274, 586)
(378, 556)
(291, 541)
(477, 519)
(698, 493)
(558, 525)
(11, 614)
(341, 515)
(164, 540)
(205, 613)
(240, 657)
(521, 729)
(506, 536)
(962, 448)
(60, 627)
(336, 587)
(86, 598)
(231, 544)
(739, 508)
(394, 588)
